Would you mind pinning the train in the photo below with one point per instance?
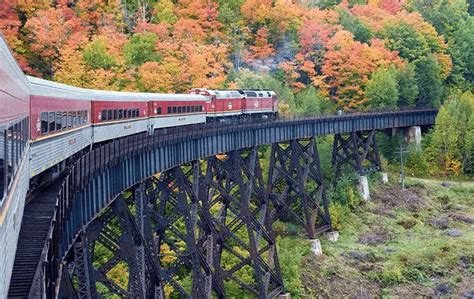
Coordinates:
(59, 121)
(66, 119)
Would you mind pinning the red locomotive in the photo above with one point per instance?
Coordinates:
(239, 103)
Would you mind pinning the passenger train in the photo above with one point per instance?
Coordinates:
(61, 120)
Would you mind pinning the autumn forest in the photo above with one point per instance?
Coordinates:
(319, 56)
(349, 54)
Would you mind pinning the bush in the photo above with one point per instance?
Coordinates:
(392, 275)
(290, 253)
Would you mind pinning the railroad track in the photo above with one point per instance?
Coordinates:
(35, 224)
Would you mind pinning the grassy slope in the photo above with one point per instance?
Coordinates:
(397, 245)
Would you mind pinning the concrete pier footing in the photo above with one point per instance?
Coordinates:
(414, 136)
(363, 187)
(333, 236)
(316, 248)
(384, 176)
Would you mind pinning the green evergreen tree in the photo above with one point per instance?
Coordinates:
(407, 86)
(382, 89)
(409, 43)
(352, 24)
(429, 83)
(164, 12)
(96, 55)
(141, 48)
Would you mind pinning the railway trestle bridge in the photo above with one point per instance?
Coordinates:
(184, 200)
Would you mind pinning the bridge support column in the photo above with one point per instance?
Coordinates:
(358, 150)
(296, 185)
(413, 135)
(235, 186)
(363, 187)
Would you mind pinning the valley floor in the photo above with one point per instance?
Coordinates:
(408, 243)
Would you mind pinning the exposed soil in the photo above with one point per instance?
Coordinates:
(374, 237)
(371, 261)
(412, 198)
(323, 282)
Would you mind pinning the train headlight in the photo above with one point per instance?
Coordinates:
(100, 115)
(155, 111)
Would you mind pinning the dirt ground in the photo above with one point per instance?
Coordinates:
(402, 244)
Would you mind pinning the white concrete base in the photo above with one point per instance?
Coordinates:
(364, 187)
(333, 236)
(316, 248)
(384, 177)
(284, 296)
(414, 136)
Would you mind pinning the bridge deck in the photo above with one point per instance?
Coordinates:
(33, 233)
(97, 177)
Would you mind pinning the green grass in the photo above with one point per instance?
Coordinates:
(414, 254)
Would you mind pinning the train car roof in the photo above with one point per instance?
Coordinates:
(232, 93)
(50, 88)
(46, 88)
(219, 93)
(8, 62)
(102, 95)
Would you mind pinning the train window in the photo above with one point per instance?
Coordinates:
(115, 114)
(69, 119)
(59, 120)
(64, 120)
(129, 113)
(103, 115)
(193, 108)
(158, 110)
(180, 110)
(169, 110)
(52, 121)
(9, 159)
(74, 118)
(3, 133)
(44, 122)
(175, 109)
(79, 118)
(260, 95)
(13, 141)
(110, 115)
(188, 109)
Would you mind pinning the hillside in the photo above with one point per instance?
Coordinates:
(319, 55)
(412, 243)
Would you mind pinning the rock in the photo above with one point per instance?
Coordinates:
(458, 207)
(316, 248)
(446, 184)
(284, 296)
(469, 294)
(384, 177)
(390, 250)
(463, 218)
(359, 256)
(333, 236)
(442, 289)
(440, 223)
(454, 232)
